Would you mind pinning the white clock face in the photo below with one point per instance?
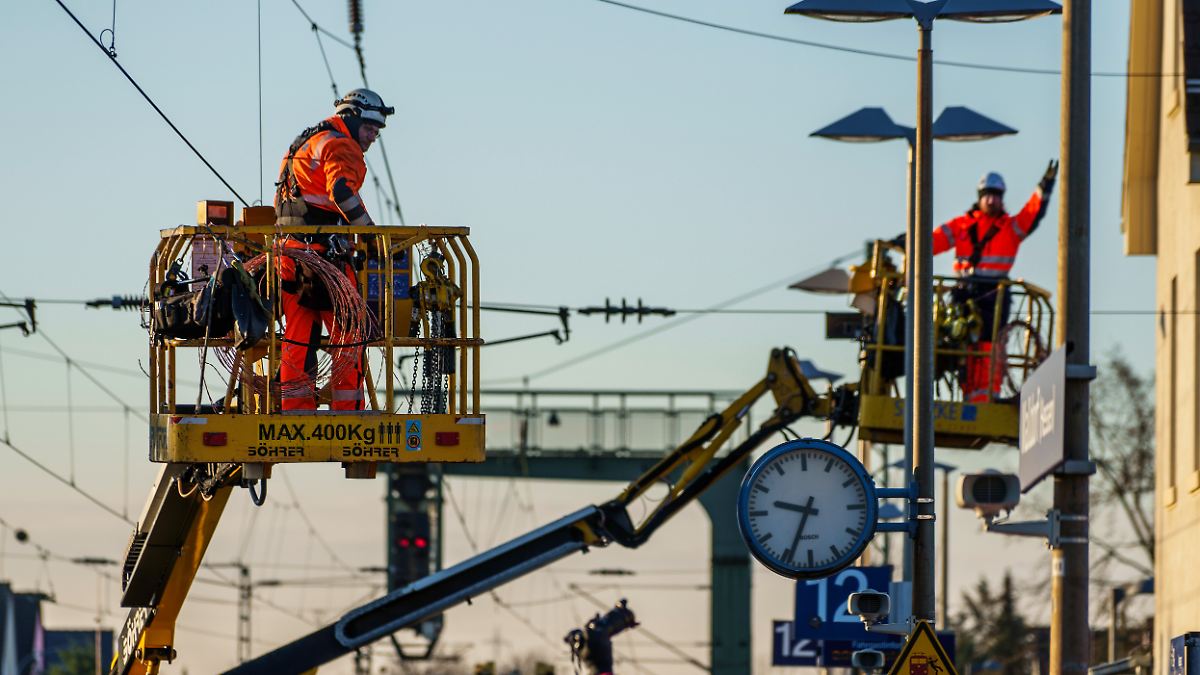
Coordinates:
(808, 510)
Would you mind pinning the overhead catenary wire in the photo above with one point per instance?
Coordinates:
(802, 311)
(92, 365)
(674, 323)
(112, 57)
(83, 371)
(868, 52)
(93, 379)
(70, 482)
(554, 308)
(62, 479)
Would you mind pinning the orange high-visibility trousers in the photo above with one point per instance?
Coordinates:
(975, 385)
(298, 356)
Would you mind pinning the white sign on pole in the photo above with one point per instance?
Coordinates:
(1042, 419)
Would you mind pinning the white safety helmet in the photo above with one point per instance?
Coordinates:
(364, 104)
(991, 182)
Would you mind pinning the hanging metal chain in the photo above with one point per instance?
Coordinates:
(433, 394)
(434, 298)
(412, 391)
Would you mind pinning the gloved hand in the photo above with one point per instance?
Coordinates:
(1047, 182)
(899, 239)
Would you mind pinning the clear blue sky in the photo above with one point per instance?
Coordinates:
(594, 151)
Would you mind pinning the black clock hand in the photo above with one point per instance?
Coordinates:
(805, 510)
(786, 506)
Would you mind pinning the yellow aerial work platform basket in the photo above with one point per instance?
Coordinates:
(1019, 343)
(430, 315)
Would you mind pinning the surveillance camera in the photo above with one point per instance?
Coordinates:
(870, 606)
(989, 493)
(870, 660)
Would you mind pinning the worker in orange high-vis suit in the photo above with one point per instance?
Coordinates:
(319, 182)
(985, 241)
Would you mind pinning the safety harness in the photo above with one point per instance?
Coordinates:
(292, 209)
(977, 244)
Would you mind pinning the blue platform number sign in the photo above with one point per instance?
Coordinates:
(1184, 655)
(821, 603)
(789, 650)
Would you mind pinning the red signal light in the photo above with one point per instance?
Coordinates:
(420, 542)
(403, 542)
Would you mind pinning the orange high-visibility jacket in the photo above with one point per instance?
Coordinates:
(329, 169)
(1000, 251)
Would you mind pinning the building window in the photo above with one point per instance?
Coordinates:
(1190, 18)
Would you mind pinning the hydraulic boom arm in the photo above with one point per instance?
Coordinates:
(688, 470)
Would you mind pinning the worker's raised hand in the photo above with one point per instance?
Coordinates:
(1047, 182)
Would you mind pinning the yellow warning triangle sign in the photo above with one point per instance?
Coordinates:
(923, 655)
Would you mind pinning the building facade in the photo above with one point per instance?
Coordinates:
(1161, 218)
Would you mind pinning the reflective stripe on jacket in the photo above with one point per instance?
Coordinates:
(1000, 252)
(329, 169)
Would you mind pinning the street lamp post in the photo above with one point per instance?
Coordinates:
(944, 585)
(919, 366)
(872, 125)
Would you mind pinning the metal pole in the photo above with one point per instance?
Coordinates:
(910, 283)
(1070, 637)
(921, 404)
(1115, 596)
(887, 540)
(245, 598)
(944, 590)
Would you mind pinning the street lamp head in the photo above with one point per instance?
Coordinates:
(853, 11)
(998, 11)
(981, 11)
(868, 125)
(959, 123)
